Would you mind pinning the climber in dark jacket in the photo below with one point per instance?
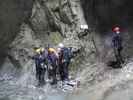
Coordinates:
(64, 59)
(40, 63)
(52, 61)
(117, 45)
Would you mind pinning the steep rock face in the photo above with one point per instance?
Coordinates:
(12, 14)
(56, 16)
(21, 47)
(52, 22)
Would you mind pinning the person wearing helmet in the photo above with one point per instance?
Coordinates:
(117, 45)
(52, 61)
(60, 62)
(40, 62)
(64, 61)
(61, 45)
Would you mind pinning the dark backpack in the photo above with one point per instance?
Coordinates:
(67, 54)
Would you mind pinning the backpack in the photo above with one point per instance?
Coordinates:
(67, 54)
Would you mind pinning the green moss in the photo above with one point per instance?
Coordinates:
(56, 38)
(76, 63)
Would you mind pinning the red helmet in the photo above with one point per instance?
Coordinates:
(116, 29)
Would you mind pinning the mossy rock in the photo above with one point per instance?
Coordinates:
(55, 38)
(74, 66)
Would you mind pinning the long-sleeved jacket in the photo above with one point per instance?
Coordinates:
(52, 58)
(117, 41)
(40, 58)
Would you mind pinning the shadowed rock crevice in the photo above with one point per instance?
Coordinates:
(12, 14)
(105, 14)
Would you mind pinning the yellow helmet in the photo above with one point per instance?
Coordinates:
(42, 49)
(51, 50)
(38, 50)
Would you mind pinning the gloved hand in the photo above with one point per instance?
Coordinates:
(63, 60)
(72, 60)
(42, 64)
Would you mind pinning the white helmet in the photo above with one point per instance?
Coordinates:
(84, 27)
(61, 45)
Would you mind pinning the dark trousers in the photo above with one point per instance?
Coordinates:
(52, 73)
(40, 73)
(61, 72)
(118, 55)
(64, 72)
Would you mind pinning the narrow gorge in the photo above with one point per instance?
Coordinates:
(25, 24)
